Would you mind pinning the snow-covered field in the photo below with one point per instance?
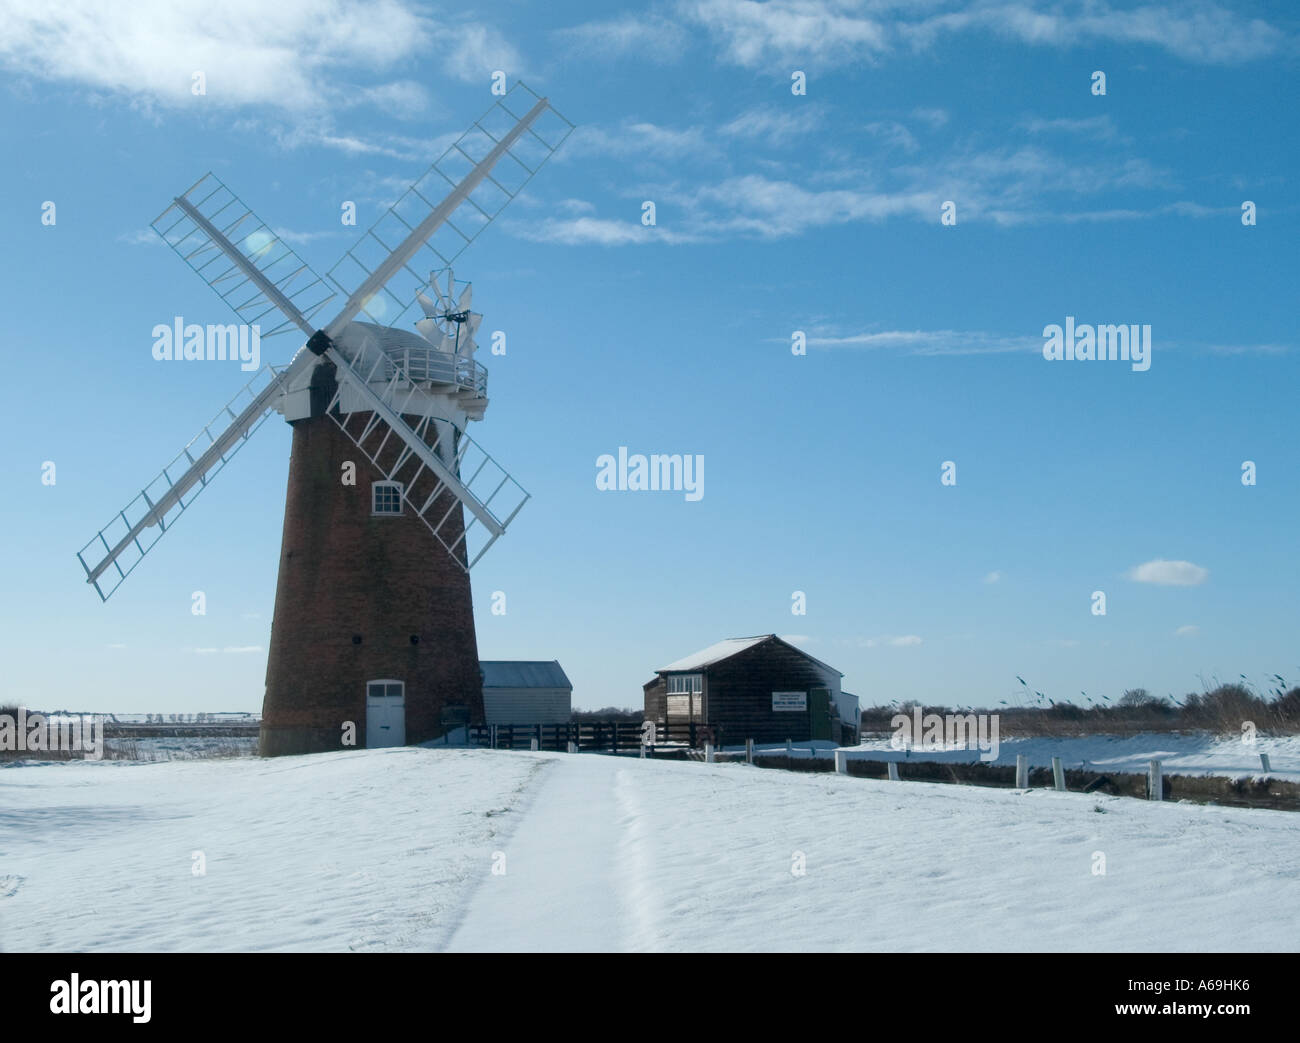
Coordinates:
(395, 849)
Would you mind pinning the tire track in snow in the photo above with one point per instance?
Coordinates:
(638, 895)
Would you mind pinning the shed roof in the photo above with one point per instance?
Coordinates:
(726, 649)
(523, 673)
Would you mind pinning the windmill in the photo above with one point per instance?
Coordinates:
(373, 635)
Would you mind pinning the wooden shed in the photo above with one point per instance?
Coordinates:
(761, 688)
(525, 692)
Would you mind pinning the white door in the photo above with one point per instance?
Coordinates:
(385, 714)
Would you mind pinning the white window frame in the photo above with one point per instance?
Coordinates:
(386, 683)
(685, 684)
(374, 500)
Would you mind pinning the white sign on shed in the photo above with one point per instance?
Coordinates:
(789, 701)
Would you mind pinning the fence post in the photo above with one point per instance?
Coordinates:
(893, 771)
(708, 753)
(1263, 762)
(841, 763)
(692, 735)
(573, 746)
(539, 737)
(534, 744)
(1155, 782)
(1022, 771)
(613, 738)
(492, 737)
(749, 751)
(510, 736)
(1058, 774)
(789, 750)
(643, 751)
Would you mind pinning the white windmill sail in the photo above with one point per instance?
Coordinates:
(257, 274)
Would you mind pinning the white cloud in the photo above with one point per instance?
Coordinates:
(652, 37)
(472, 52)
(1188, 631)
(901, 641)
(993, 577)
(894, 135)
(936, 118)
(829, 33)
(294, 55)
(931, 342)
(774, 126)
(781, 32)
(1169, 573)
(1098, 128)
(597, 231)
(639, 139)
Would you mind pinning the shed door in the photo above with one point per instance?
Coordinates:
(385, 714)
(819, 713)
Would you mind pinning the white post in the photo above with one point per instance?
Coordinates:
(708, 753)
(841, 763)
(573, 746)
(643, 751)
(1022, 771)
(1058, 774)
(532, 743)
(749, 751)
(1263, 762)
(1155, 783)
(893, 771)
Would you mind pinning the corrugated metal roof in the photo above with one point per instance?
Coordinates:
(713, 654)
(726, 649)
(517, 673)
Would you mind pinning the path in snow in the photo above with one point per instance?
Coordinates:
(569, 884)
(624, 854)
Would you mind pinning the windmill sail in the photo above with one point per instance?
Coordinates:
(436, 462)
(122, 544)
(529, 143)
(207, 213)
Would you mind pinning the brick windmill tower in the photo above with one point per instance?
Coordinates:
(389, 501)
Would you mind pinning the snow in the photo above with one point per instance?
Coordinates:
(394, 849)
(1180, 753)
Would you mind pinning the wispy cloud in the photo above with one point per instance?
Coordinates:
(652, 37)
(834, 33)
(1190, 630)
(993, 577)
(931, 342)
(1169, 573)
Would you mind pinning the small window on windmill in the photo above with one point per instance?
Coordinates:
(386, 498)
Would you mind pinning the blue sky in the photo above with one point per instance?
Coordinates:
(774, 213)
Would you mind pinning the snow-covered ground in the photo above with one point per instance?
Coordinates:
(395, 849)
(1180, 753)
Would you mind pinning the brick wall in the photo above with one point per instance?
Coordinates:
(345, 575)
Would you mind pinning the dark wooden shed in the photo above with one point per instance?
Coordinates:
(761, 688)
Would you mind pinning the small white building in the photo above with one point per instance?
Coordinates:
(525, 692)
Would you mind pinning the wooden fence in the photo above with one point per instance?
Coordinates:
(602, 736)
